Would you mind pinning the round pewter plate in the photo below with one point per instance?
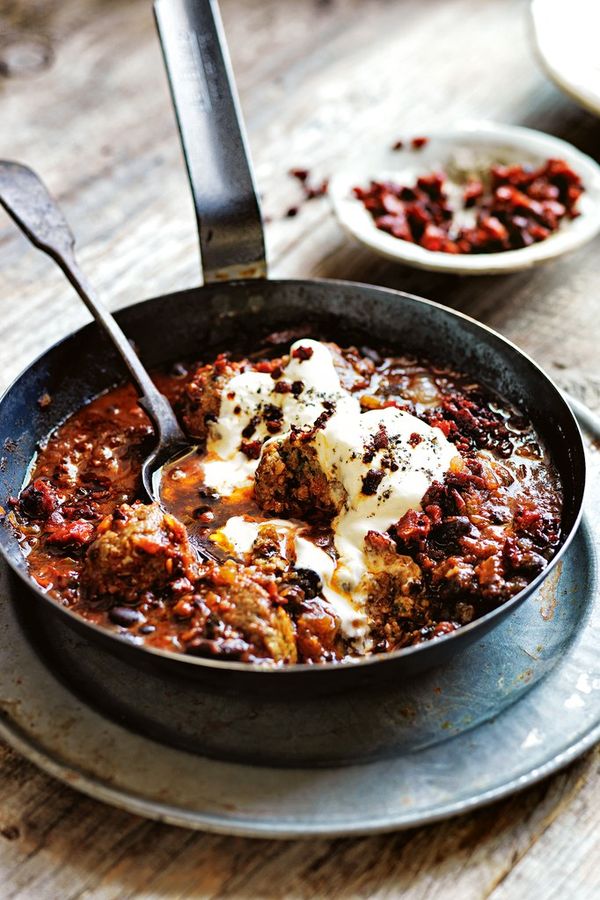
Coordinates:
(541, 667)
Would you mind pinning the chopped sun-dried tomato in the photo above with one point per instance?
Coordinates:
(522, 205)
(77, 532)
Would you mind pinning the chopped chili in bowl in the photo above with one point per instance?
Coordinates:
(507, 207)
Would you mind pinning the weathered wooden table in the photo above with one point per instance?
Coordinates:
(83, 99)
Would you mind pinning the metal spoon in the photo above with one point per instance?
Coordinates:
(27, 201)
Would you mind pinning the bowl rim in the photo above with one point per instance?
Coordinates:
(541, 17)
(357, 222)
(265, 669)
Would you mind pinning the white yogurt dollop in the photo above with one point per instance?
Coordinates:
(381, 486)
(385, 460)
(239, 534)
(249, 393)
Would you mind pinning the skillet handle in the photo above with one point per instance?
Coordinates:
(213, 139)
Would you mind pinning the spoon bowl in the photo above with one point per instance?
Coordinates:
(26, 199)
(474, 146)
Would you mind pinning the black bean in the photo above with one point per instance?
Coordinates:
(125, 616)
(208, 493)
(309, 581)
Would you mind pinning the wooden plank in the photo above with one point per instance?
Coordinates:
(118, 855)
(563, 861)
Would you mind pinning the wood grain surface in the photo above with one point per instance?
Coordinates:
(83, 99)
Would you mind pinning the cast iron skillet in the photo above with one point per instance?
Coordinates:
(228, 709)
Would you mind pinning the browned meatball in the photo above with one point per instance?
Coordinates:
(138, 550)
(289, 480)
(201, 400)
(394, 591)
(244, 620)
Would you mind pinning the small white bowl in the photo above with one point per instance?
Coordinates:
(476, 146)
(566, 41)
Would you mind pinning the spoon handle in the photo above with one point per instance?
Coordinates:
(27, 201)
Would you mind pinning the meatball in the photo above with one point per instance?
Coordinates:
(138, 550)
(201, 400)
(394, 591)
(290, 481)
(243, 621)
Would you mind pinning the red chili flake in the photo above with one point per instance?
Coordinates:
(494, 228)
(418, 142)
(433, 238)
(318, 424)
(317, 190)
(38, 500)
(283, 387)
(376, 540)
(415, 439)
(538, 232)
(371, 481)
(221, 363)
(522, 205)
(432, 185)
(434, 512)
(398, 145)
(381, 439)
(472, 192)
(268, 366)
(396, 226)
(274, 426)
(300, 174)
(310, 189)
(251, 449)
(302, 353)
(413, 527)
(77, 532)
